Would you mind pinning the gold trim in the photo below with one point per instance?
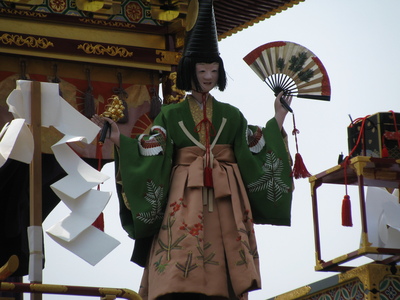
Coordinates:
(7, 286)
(25, 13)
(9, 267)
(125, 293)
(107, 23)
(312, 178)
(173, 76)
(110, 291)
(367, 250)
(370, 275)
(340, 258)
(364, 241)
(168, 57)
(27, 2)
(312, 186)
(359, 167)
(318, 263)
(359, 273)
(105, 60)
(328, 171)
(302, 291)
(30, 41)
(106, 35)
(48, 288)
(180, 39)
(102, 50)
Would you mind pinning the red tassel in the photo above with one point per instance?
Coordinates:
(346, 212)
(299, 169)
(208, 179)
(99, 222)
(385, 152)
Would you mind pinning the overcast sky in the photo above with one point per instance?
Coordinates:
(359, 44)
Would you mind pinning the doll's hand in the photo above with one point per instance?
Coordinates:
(280, 109)
(99, 121)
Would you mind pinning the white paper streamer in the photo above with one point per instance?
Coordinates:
(383, 220)
(92, 245)
(83, 213)
(76, 190)
(19, 102)
(16, 142)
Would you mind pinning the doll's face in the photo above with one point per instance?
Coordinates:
(207, 75)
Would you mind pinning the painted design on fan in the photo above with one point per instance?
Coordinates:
(153, 196)
(292, 68)
(297, 66)
(271, 179)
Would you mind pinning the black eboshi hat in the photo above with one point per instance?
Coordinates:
(201, 44)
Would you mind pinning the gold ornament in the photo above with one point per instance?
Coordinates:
(115, 109)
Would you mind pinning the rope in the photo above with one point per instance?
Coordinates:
(295, 132)
(361, 135)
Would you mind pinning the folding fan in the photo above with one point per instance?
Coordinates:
(292, 68)
(295, 70)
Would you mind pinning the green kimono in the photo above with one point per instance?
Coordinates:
(198, 235)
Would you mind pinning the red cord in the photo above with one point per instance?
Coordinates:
(361, 135)
(295, 132)
(208, 125)
(395, 127)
